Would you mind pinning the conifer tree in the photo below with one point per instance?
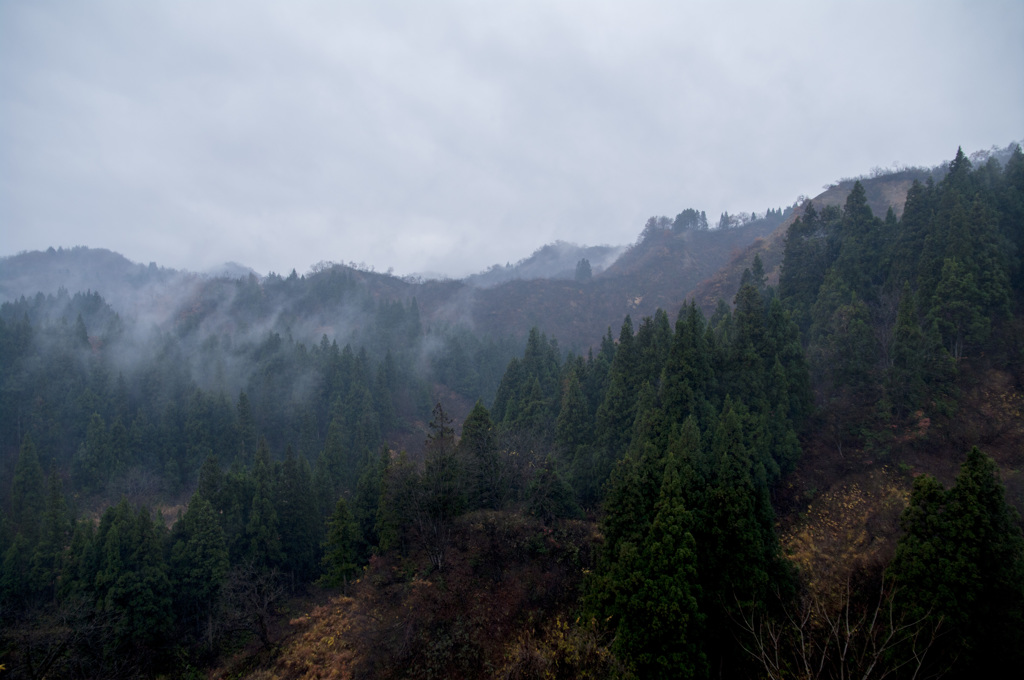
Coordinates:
(660, 624)
(910, 234)
(906, 386)
(738, 552)
(399, 498)
(341, 547)
(617, 412)
(131, 584)
(688, 378)
(960, 565)
(262, 532)
(957, 311)
(198, 565)
(298, 517)
(54, 537)
(857, 262)
(485, 465)
(247, 435)
(211, 480)
(804, 264)
(28, 491)
(548, 496)
(573, 426)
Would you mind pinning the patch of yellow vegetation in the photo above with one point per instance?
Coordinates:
(320, 648)
(851, 526)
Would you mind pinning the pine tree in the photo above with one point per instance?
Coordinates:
(910, 234)
(211, 480)
(367, 500)
(615, 416)
(399, 498)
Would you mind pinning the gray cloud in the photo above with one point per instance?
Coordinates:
(447, 136)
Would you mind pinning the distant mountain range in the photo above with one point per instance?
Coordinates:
(663, 269)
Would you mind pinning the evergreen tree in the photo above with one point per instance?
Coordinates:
(28, 491)
(298, 516)
(573, 426)
(14, 573)
(340, 559)
(548, 496)
(583, 271)
(860, 245)
(198, 565)
(906, 386)
(910, 234)
(54, 536)
(131, 584)
(262, 532)
(688, 377)
(960, 565)
(957, 311)
(738, 552)
(398, 505)
(617, 412)
(443, 489)
(485, 465)
(804, 263)
(247, 435)
(211, 480)
(91, 466)
(659, 631)
(366, 503)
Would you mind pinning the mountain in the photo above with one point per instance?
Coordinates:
(658, 271)
(481, 502)
(556, 260)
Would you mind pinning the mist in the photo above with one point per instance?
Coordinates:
(450, 138)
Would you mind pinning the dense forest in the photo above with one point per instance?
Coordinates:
(272, 480)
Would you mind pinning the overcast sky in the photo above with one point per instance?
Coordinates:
(449, 136)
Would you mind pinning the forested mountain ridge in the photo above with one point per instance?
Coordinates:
(884, 189)
(666, 266)
(655, 272)
(696, 496)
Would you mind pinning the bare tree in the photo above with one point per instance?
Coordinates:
(249, 600)
(836, 637)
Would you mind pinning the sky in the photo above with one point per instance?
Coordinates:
(443, 137)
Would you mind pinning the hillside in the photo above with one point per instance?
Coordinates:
(883, 192)
(347, 474)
